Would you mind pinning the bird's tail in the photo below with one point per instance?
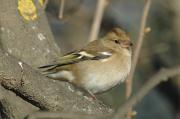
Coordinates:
(48, 69)
(56, 72)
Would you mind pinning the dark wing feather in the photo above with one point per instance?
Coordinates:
(69, 58)
(93, 51)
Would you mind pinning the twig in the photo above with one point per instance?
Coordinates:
(45, 4)
(162, 75)
(101, 5)
(64, 115)
(138, 46)
(137, 49)
(61, 10)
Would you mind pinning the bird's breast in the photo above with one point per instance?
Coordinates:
(102, 75)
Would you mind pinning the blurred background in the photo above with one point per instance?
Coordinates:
(161, 47)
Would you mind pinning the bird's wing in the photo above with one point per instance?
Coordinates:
(91, 52)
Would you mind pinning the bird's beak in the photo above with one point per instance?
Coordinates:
(127, 44)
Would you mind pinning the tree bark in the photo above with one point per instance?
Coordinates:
(12, 106)
(25, 46)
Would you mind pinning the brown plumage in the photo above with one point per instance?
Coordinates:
(97, 67)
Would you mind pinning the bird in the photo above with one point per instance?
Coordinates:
(98, 66)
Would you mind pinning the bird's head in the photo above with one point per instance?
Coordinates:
(117, 40)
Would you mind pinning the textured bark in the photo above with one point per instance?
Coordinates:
(25, 46)
(30, 41)
(41, 91)
(12, 106)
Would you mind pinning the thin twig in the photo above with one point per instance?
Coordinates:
(101, 5)
(162, 75)
(138, 45)
(61, 10)
(60, 115)
(45, 4)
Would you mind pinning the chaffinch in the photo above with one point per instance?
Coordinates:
(97, 67)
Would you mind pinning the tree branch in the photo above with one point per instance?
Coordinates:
(162, 75)
(64, 115)
(40, 91)
(28, 45)
(129, 80)
(101, 5)
(138, 47)
(12, 107)
(61, 10)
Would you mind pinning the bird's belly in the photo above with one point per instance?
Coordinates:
(102, 82)
(102, 78)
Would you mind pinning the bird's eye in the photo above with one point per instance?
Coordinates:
(116, 41)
